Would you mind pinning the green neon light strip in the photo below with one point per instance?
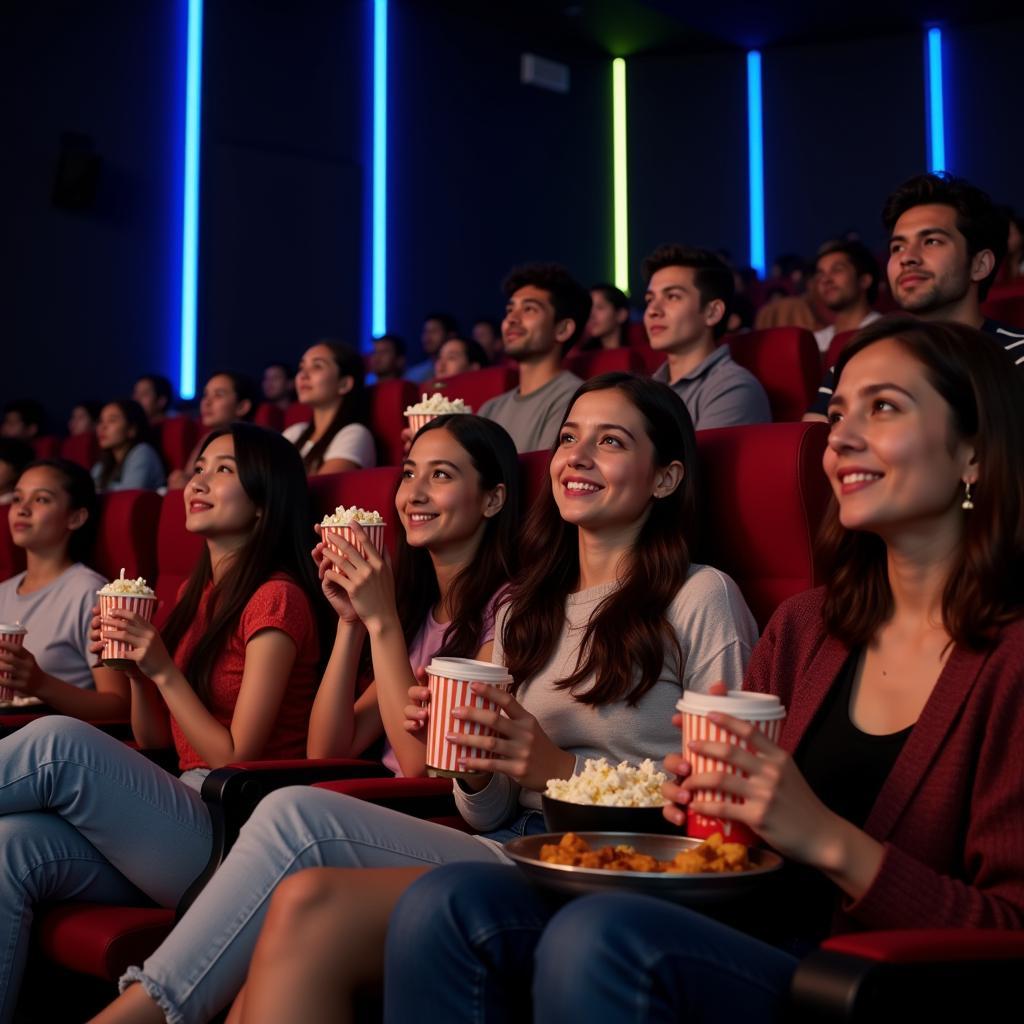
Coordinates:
(619, 173)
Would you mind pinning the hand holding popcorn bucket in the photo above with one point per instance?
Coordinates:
(761, 709)
(449, 680)
(13, 634)
(130, 596)
(340, 525)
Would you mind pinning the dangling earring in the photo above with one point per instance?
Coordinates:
(967, 504)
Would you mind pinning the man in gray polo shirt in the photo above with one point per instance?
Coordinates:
(544, 316)
(687, 301)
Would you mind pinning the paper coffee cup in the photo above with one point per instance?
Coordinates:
(449, 680)
(374, 533)
(764, 711)
(113, 655)
(418, 420)
(10, 633)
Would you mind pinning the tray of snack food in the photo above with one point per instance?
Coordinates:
(691, 871)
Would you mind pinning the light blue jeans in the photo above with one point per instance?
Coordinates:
(202, 964)
(83, 817)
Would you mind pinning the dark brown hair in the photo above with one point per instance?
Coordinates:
(135, 417)
(624, 644)
(711, 276)
(569, 299)
(985, 588)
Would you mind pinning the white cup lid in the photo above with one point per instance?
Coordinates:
(762, 707)
(469, 669)
(12, 627)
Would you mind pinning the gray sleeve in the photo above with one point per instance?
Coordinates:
(741, 402)
(142, 470)
(492, 806)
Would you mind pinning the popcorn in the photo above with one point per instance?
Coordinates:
(132, 588)
(346, 516)
(622, 786)
(437, 405)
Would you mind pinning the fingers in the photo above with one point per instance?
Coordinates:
(676, 764)
(419, 694)
(503, 698)
(727, 783)
(745, 731)
(718, 689)
(730, 753)
(372, 556)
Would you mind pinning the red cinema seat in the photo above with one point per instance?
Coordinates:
(176, 553)
(296, 413)
(45, 447)
(368, 488)
(591, 364)
(786, 361)
(762, 496)
(12, 558)
(533, 477)
(81, 449)
(1008, 310)
(839, 341)
(127, 534)
(636, 334)
(477, 386)
(269, 416)
(178, 436)
(388, 402)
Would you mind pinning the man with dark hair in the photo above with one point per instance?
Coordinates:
(544, 317)
(846, 276)
(387, 360)
(437, 329)
(946, 240)
(153, 392)
(23, 420)
(687, 303)
(278, 384)
(459, 355)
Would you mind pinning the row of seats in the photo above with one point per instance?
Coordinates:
(762, 490)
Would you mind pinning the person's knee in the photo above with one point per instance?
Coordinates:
(298, 901)
(56, 734)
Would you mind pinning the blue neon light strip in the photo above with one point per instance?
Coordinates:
(190, 231)
(755, 150)
(380, 167)
(934, 101)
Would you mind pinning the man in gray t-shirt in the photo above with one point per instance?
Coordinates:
(687, 303)
(544, 316)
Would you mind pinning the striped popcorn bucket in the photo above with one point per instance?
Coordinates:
(762, 710)
(15, 636)
(418, 420)
(374, 533)
(449, 680)
(114, 650)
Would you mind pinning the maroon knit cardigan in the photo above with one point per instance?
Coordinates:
(951, 812)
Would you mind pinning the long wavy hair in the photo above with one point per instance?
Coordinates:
(135, 417)
(271, 474)
(493, 456)
(624, 646)
(353, 407)
(985, 587)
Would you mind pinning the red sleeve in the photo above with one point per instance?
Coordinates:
(279, 604)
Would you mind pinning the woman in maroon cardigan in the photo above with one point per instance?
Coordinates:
(896, 792)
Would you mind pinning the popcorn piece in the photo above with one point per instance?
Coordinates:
(122, 587)
(436, 405)
(622, 786)
(346, 516)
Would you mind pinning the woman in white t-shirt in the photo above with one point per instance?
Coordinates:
(53, 519)
(330, 383)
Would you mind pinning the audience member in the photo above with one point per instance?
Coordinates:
(846, 279)
(437, 329)
(127, 458)
(24, 420)
(945, 246)
(278, 384)
(83, 418)
(487, 334)
(82, 816)
(459, 355)
(544, 317)
(387, 360)
(1012, 266)
(330, 382)
(15, 455)
(154, 393)
(53, 520)
(889, 792)
(609, 314)
(687, 300)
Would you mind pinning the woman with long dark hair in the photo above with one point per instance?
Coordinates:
(895, 790)
(127, 459)
(621, 494)
(53, 520)
(82, 816)
(330, 382)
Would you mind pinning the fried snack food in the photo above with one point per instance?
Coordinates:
(713, 856)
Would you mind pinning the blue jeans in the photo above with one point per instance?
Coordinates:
(479, 943)
(83, 817)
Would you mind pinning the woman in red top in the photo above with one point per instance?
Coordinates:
(82, 816)
(896, 790)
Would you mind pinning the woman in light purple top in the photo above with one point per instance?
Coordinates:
(458, 507)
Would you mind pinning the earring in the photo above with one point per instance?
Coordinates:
(967, 504)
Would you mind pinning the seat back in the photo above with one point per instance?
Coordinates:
(297, 413)
(178, 436)
(388, 402)
(177, 551)
(763, 495)
(45, 447)
(126, 537)
(839, 341)
(368, 488)
(269, 416)
(787, 363)
(12, 558)
(81, 449)
(477, 386)
(591, 364)
(1009, 309)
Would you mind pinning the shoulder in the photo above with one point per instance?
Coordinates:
(729, 373)
(292, 433)
(355, 443)
(83, 579)
(567, 382)
(10, 586)
(799, 616)
(142, 453)
(708, 592)
(278, 599)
